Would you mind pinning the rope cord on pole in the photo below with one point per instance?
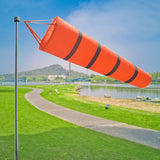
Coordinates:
(34, 34)
(39, 21)
(32, 31)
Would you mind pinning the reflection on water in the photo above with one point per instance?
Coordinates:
(120, 91)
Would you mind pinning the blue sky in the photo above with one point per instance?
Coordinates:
(129, 28)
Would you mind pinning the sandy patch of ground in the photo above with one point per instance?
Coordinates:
(127, 103)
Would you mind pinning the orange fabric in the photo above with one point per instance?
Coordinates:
(125, 71)
(65, 41)
(105, 62)
(142, 80)
(88, 48)
(61, 38)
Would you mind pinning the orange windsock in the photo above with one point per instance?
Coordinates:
(66, 42)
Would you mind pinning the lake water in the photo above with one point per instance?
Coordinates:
(115, 90)
(120, 90)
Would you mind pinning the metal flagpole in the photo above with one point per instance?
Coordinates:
(16, 20)
(69, 72)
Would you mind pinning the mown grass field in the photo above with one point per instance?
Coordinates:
(44, 137)
(66, 98)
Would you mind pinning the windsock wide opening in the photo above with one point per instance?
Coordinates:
(48, 34)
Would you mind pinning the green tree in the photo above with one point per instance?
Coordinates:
(38, 79)
(2, 79)
(92, 75)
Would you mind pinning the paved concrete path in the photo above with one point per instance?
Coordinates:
(136, 134)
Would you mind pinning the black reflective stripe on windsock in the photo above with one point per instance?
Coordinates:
(75, 47)
(95, 56)
(115, 67)
(134, 76)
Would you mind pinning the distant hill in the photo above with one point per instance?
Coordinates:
(55, 69)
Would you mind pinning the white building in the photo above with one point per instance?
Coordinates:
(52, 77)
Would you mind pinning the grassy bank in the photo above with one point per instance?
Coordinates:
(44, 137)
(66, 98)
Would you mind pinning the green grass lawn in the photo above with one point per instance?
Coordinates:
(44, 137)
(67, 99)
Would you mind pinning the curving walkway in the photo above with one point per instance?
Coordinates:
(132, 133)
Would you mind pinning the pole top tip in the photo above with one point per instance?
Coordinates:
(16, 19)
